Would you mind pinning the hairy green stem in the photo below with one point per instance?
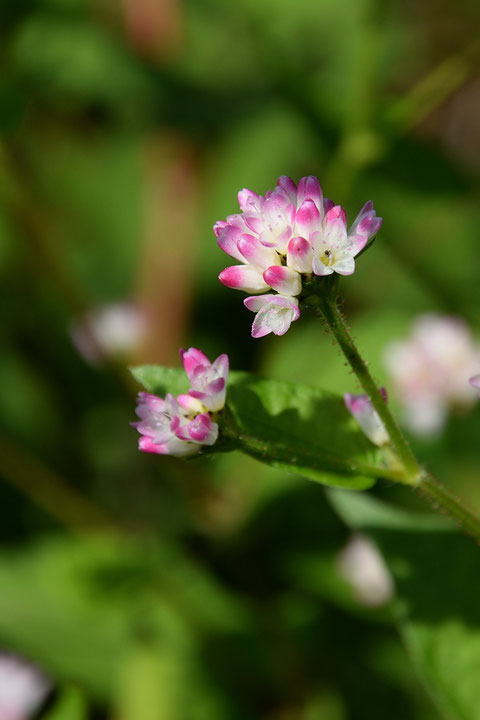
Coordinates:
(441, 498)
(413, 473)
(261, 449)
(331, 312)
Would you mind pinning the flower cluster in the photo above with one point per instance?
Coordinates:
(360, 406)
(290, 233)
(430, 370)
(181, 426)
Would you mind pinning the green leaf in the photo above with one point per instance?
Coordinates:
(160, 380)
(294, 427)
(437, 576)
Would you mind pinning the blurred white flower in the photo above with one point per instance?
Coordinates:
(23, 688)
(110, 331)
(430, 371)
(362, 566)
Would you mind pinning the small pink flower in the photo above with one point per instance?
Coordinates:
(199, 430)
(208, 380)
(289, 233)
(334, 247)
(367, 417)
(275, 313)
(366, 224)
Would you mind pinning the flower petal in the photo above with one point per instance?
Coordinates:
(254, 252)
(335, 212)
(344, 263)
(275, 314)
(248, 200)
(283, 279)
(289, 188)
(191, 358)
(309, 189)
(190, 404)
(219, 226)
(366, 223)
(228, 238)
(146, 444)
(358, 242)
(307, 219)
(221, 365)
(300, 255)
(327, 205)
(334, 233)
(319, 268)
(243, 277)
(201, 430)
(175, 447)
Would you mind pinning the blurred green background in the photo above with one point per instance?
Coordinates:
(150, 588)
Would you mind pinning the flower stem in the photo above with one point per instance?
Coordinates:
(328, 306)
(413, 473)
(267, 451)
(441, 497)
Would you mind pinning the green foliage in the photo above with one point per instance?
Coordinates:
(437, 576)
(293, 427)
(78, 61)
(102, 596)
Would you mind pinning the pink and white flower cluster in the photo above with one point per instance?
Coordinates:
(181, 426)
(290, 233)
(430, 371)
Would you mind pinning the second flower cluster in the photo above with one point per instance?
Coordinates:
(181, 426)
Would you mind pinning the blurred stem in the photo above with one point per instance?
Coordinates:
(18, 192)
(363, 144)
(414, 475)
(48, 490)
(434, 88)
